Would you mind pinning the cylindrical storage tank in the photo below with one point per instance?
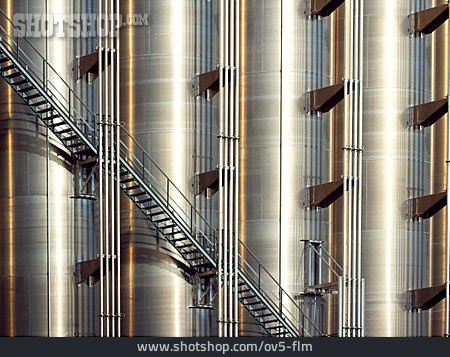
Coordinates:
(179, 131)
(396, 166)
(284, 149)
(438, 224)
(44, 231)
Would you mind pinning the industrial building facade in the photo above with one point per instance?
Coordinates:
(225, 168)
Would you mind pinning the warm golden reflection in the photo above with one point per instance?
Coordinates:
(11, 234)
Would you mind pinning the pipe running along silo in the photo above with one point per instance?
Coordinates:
(396, 166)
(43, 230)
(179, 131)
(284, 149)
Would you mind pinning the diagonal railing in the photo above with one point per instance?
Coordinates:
(67, 116)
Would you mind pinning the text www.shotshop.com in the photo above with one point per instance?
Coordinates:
(224, 348)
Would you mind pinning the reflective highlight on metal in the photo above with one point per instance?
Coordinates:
(179, 131)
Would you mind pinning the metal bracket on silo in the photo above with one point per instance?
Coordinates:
(426, 21)
(427, 114)
(207, 82)
(88, 271)
(425, 207)
(324, 99)
(322, 8)
(321, 196)
(88, 64)
(207, 183)
(425, 298)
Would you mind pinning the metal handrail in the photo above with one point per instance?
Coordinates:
(147, 168)
(276, 299)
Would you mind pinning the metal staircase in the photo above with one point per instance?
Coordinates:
(65, 114)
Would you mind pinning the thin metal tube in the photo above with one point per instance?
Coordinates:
(342, 298)
(355, 166)
(360, 173)
(221, 117)
(340, 303)
(236, 201)
(100, 163)
(447, 270)
(106, 166)
(232, 173)
(118, 176)
(113, 158)
(225, 209)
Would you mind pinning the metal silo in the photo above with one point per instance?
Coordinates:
(43, 230)
(284, 54)
(396, 166)
(439, 174)
(179, 131)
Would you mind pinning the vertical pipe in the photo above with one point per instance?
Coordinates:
(345, 175)
(117, 89)
(107, 193)
(232, 170)
(236, 199)
(100, 163)
(360, 153)
(447, 270)
(113, 157)
(226, 133)
(355, 164)
(340, 311)
(221, 114)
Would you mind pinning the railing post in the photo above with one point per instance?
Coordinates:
(143, 165)
(259, 276)
(167, 191)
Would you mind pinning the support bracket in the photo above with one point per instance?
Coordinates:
(322, 8)
(321, 196)
(207, 183)
(426, 298)
(208, 82)
(88, 271)
(425, 207)
(429, 113)
(324, 99)
(88, 64)
(426, 21)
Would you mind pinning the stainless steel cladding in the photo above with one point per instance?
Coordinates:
(438, 229)
(179, 131)
(284, 54)
(43, 231)
(396, 166)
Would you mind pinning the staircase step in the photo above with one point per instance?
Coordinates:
(131, 188)
(33, 96)
(193, 259)
(162, 220)
(65, 131)
(167, 227)
(46, 110)
(151, 206)
(138, 194)
(184, 246)
(270, 322)
(8, 67)
(259, 309)
(128, 180)
(4, 59)
(70, 138)
(13, 75)
(253, 303)
(76, 145)
(19, 83)
(203, 265)
(24, 90)
(37, 104)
